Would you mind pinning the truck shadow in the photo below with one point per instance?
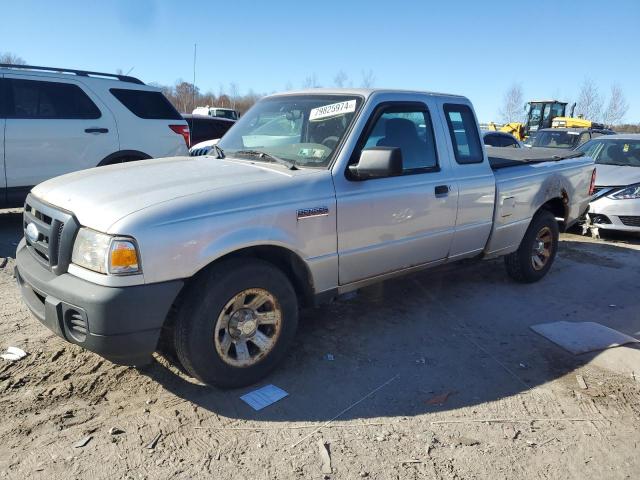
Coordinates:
(10, 232)
(459, 332)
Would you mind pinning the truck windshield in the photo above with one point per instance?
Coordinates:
(625, 153)
(303, 129)
(556, 139)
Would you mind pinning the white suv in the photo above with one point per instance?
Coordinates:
(55, 121)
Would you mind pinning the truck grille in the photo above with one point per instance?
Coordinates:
(630, 221)
(49, 233)
(198, 152)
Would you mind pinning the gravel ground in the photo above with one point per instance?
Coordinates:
(436, 375)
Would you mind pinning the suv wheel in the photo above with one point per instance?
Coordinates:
(236, 323)
(537, 251)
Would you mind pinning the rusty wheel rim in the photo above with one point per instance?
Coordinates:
(542, 248)
(248, 327)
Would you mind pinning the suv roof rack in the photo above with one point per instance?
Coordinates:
(82, 73)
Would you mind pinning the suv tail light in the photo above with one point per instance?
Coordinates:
(184, 131)
(592, 185)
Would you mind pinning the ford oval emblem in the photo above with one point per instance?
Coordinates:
(32, 232)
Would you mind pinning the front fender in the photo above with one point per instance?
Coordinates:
(241, 239)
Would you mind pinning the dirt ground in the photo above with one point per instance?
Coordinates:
(436, 375)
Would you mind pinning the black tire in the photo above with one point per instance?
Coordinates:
(205, 301)
(520, 264)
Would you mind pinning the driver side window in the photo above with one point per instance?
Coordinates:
(409, 129)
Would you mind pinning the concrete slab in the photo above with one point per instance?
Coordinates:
(582, 337)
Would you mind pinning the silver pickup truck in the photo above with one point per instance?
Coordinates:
(310, 195)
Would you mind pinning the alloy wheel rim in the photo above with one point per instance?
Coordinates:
(248, 327)
(542, 247)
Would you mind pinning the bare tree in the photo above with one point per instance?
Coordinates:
(185, 97)
(208, 98)
(368, 79)
(288, 86)
(221, 96)
(11, 59)
(617, 106)
(340, 80)
(589, 103)
(512, 103)
(234, 93)
(223, 100)
(186, 94)
(311, 81)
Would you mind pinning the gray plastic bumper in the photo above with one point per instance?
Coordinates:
(121, 324)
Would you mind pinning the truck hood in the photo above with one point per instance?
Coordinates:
(616, 175)
(99, 197)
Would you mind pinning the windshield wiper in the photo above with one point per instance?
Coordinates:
(219, 151)
(267, 156)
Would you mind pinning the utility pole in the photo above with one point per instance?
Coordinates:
(195, 48)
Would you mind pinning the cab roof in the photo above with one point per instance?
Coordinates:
(364, 92)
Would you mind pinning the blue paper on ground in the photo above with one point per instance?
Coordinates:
(263, 397)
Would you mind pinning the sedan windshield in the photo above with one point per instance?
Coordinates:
(557, 139)
(304, 130)
(621, 152)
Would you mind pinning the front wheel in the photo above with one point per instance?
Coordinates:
(537, 251)
(236, 323)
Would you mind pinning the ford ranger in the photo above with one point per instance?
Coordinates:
(309, 195)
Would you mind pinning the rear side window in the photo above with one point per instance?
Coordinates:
(51, 100)
(464, 133)
(149, 105)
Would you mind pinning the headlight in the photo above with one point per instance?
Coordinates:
(627, 193)
(105, 254)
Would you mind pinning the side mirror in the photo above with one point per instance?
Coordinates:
(377, 162)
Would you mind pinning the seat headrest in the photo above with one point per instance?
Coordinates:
(400, 128)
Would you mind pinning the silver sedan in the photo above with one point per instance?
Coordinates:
(616, 202)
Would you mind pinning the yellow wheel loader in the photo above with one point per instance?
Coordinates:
(544, 114)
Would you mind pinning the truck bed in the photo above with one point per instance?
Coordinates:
(513, 157)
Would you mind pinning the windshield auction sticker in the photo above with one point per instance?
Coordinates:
(332, 110)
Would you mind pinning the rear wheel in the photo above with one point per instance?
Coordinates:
(236, 323)
(537, 251)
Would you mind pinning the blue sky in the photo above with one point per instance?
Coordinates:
(477, 49)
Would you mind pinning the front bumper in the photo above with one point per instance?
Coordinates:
(122, 324)
(609, 214)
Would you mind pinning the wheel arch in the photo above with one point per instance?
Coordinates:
(559, 207)
(123, 155)
(283, 258)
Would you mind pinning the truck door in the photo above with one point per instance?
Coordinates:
(476, 182)
(52, 128)
(390, 224)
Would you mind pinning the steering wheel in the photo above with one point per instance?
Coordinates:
(330, 142)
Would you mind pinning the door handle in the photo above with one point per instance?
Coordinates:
(442, 190)
(96, 130)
